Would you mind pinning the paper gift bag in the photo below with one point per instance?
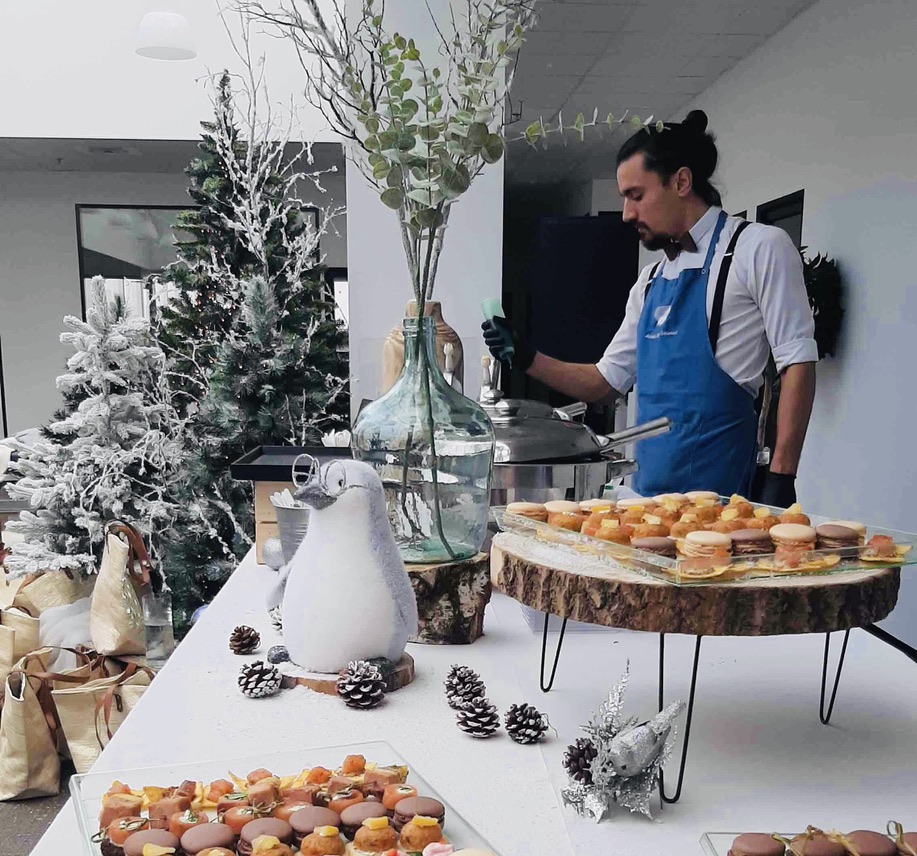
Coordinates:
(29, 765)
(91, 713)
(24, 626)
(7, 654)
(116, 617)
(39, 592)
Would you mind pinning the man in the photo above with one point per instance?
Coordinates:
(699, 327)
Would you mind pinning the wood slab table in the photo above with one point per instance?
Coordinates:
(557, 581)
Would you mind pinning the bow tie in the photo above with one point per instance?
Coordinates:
(685, 242)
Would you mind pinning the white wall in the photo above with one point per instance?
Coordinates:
(605, 196)
(39, 272)
(829, 105)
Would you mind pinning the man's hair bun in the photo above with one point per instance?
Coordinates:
(695, 121)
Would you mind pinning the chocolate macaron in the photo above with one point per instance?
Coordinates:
(756, 844)
(751, 542)
(868, 843)
(206, 836)
(816, 843)
(833, 536)
(657, 546)
(352, 818)
(407, 809)
(305, 821)
(133, 846)
(280, 829)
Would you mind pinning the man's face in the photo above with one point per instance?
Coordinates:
(652, 206)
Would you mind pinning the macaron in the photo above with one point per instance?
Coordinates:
(657, 546)
(562, 506)
(833, 536)
(907, 840)
(533, 510)
(207, 835)
(280, 829)
(704, 543)
(793, 535)
(751, 542)
(352, 818)
(816, 844)
(868, 843)
(635, 502)
(702, 496)
(756, 844)
(855, 525)
(663, 498)
(590, 505)
(133, 845)
(406, 810)
(305, 821)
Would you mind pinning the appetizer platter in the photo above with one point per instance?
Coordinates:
(703, 538)
(813, 842)
(360, 800)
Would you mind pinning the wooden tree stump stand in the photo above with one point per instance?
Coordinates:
(571, 586)
(451, 599)
(396, 677)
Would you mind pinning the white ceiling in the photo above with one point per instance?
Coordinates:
(645, 56)
(158, 156)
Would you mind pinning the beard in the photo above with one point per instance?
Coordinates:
(655, 240)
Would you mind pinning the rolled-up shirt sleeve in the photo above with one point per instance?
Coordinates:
(618, 364)
(778, 287)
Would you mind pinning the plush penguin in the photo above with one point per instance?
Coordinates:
(347, 595)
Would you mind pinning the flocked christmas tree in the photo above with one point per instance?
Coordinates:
(113, 456)
(258, 365)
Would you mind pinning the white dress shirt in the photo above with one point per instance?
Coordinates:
(765, 307)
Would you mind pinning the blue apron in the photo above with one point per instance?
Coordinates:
(712, 442)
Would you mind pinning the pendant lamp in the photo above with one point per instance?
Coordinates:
(165, 35)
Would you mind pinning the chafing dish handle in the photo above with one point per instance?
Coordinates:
(639, 432)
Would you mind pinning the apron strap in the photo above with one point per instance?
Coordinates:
(652, 278)
(716, 313)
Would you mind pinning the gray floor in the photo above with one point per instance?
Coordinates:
(23, 822)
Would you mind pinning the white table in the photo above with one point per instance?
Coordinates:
(759, 758)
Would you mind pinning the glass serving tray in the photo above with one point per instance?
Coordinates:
(87, 789)
(718, 843)
(682, 571)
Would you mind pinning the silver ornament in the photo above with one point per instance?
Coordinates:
(272, 553)
(629, 757)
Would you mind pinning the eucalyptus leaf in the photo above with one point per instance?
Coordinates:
(409, 108)
(406, 142)
(393, 197)
(372, 143)
(395, 176)
(388, 140)
(372, 125)
(493, 149)
(457, 130)
(455, 181)
(477, 134)
(381, 171)
(376, 159)
(463, 116)
(429, 218)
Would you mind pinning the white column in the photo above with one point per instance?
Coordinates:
(470, 267)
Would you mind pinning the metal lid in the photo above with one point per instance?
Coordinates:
(529, 431)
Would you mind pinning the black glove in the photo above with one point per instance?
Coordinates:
(506, 344)
(779, 490)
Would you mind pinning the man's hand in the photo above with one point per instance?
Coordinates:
(779, 490)
(501, 339)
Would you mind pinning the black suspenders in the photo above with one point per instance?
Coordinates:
(716, 313)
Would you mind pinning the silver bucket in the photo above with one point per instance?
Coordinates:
(292, 523)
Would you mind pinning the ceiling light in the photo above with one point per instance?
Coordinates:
(165, 35)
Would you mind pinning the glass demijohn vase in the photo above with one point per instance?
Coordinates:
(433, 449)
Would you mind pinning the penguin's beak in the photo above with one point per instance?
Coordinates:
(315, 496)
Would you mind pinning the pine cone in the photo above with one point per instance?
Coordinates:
(244, 640)
(258, 680)
(525, 724)
(361, 685)
(578, 760)
(462, 686)
(479, 718)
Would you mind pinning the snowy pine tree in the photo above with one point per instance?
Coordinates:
(114, 456)
(259, 365)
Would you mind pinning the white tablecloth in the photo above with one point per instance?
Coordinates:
(758, 760)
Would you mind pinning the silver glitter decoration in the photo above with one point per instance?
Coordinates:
(629, 757)
(272, 553)
(276, 618)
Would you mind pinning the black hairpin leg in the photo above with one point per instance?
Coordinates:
(825, 717)
(684, 751)
(544, 651)
(894, 641)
